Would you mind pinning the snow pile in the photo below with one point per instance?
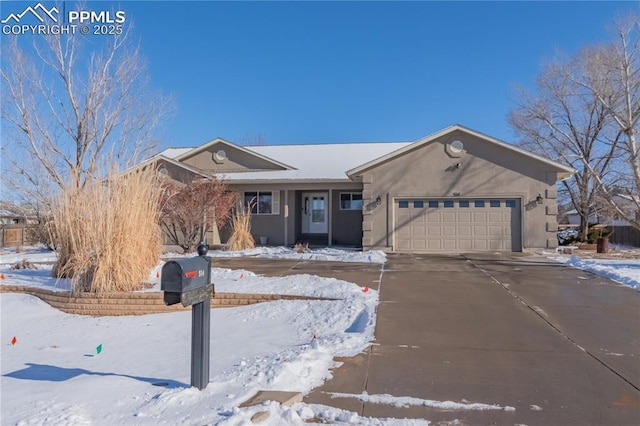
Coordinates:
(326, 254)
(625, 272)
(406, 401)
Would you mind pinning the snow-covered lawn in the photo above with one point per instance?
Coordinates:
(625, 272)
(73, 370)
(621, 264)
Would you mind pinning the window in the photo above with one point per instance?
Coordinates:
(448, 204)
(510, 203)
(418, 204)
(351, 201)
(433, 204)
(494, 203)
(464, 203)
(403, 204)
(478, 203)
(263, 202)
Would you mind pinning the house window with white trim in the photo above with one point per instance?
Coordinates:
(263, 202)
(351, 201)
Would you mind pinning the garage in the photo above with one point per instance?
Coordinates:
(432, 224)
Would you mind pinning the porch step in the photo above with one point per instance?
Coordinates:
(314, 239)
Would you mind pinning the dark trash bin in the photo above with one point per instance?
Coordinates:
(602, 245)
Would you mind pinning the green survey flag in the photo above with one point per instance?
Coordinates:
(99, 348)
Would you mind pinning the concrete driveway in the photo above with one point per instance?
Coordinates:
(546, 344)
(559, 345)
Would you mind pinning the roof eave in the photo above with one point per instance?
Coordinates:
(281, 181)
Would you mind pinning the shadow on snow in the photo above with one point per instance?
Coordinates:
(51, 373)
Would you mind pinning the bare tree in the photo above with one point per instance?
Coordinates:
(189, 211)
(74, 113)
(611, 74)
(258, 139)
(566, 123)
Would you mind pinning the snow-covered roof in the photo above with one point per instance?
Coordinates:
(174, 152)
(335, 161)
(327, 162)
(627, 197)
(315, 162)
(7, 213)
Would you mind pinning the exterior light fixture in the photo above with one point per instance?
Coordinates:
(539, 199)
(378, 201)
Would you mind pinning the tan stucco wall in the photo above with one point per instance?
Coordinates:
(486, 170)
(273, 225)
(177, 173)
(237, 160)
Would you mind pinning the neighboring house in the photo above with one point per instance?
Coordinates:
(454, 190)
(573, 218)
(623, 232)
(8, 217)
(601, 215)
(11, 215)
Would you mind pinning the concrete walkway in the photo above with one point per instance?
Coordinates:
(558, 345)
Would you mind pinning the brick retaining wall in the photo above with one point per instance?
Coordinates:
(126, 303)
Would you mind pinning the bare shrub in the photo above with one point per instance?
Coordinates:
(302, 248)
(189, 211)
(23, 264)
(241, 238)
(41, 233)
(107, 233)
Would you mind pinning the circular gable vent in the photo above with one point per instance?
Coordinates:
(456, 146)
(220, 156)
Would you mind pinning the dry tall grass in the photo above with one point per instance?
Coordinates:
(107, 234)
(241, 238)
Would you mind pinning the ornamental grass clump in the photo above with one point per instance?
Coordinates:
(106, 232)
(241, 238)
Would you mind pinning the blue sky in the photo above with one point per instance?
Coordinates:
(302, 72)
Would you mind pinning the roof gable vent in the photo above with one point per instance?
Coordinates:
(220, 156)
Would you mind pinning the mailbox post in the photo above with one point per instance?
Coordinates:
(188, 281)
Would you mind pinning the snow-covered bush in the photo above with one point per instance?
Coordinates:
(567, 236)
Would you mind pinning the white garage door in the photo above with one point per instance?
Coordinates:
(429, 224)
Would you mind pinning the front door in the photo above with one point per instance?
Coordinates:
(314, 213)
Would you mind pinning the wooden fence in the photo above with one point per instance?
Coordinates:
(626, 236)
(16, 235)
